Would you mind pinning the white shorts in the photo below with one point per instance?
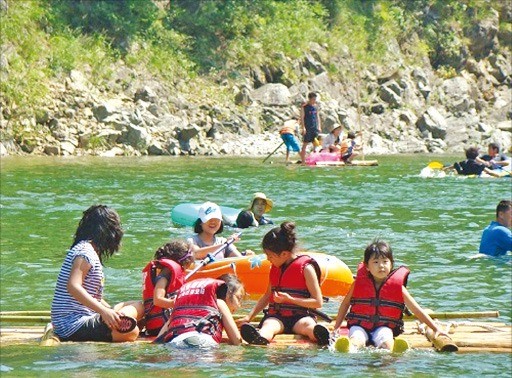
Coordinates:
(193, 339)
(378, 336)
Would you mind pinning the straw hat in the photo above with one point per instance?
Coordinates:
(268, 201)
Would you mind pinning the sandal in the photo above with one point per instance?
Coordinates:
(251, 335)
(321, 334)
(126, 324)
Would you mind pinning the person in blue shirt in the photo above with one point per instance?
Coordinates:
(497, 236)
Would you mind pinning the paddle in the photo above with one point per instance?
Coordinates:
(211, 256)
(435, 165)
(273, 152)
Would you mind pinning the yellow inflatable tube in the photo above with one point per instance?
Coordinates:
(253, 271)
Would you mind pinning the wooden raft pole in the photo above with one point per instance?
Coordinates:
(43, 316)
(441, 343)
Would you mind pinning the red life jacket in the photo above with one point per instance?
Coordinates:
(372, 308)
(291, 280)
(157, 316)
(196, 309)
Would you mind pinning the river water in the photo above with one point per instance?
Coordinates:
(433, 225)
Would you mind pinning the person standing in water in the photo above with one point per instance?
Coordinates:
(310, 123)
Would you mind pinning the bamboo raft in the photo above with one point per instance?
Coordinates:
(465, 336)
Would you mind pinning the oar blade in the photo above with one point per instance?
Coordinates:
(435, 165)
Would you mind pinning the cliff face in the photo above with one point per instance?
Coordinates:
(405, 106)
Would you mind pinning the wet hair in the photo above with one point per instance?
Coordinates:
(494, 146)
(198, 226)
(351, 135)
(378, 248)
(312, 95)
(177, 250)
(503, 206)
(232, 284)
(472, 153)
(101, 226)
(279, 239)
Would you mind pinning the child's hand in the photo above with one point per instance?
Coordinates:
(241, 321)
(438, 333)
(235, 237)
(110, 318)
(248, 252)
(280, 297)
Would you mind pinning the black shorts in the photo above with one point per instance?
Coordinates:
(287, 321)
(310, 136)
(94, 329)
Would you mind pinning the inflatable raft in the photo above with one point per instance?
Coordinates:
(186, 214)
(333, 159)
(253, 271)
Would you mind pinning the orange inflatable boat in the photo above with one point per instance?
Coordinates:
(253, 271)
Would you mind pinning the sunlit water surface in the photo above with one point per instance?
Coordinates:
(433, 225)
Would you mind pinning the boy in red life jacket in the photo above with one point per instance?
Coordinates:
(292, 295)
(376, 300)
(162, 278)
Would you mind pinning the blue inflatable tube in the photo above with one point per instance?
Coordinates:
(186, 214)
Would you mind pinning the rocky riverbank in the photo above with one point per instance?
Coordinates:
(400, 108)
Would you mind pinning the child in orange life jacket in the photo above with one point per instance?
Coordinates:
(203, 309)
(378, 324)
(292, 294)
(162, 278)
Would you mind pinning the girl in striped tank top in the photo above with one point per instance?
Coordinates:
(79, 312)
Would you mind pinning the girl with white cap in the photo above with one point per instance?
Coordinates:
(206, 227)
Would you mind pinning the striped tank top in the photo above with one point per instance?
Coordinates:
(67, 314)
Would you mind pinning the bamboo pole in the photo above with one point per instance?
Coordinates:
(441, 343)
(42, 316)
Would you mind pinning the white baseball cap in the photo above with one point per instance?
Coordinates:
(209, 210)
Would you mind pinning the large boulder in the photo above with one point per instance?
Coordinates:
(137, 137)
(272, 95)
(432, 122)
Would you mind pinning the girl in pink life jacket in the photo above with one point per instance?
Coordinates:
(162, 278)
(293, 293)
(375, 303)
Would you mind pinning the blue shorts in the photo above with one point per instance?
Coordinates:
(292, 144)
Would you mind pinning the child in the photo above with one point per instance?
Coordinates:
(206, 227)
(292, 294)
(310, 123)
(471, 166)
(349, 148)
(202, 310)
(255, 215)
(162, 278)
(494, 159)
(287, 133)
(378, 324)
(79, 312)
(331, 143)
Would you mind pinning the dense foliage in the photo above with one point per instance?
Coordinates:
(42, 39)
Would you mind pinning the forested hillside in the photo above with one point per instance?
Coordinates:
(172, 76)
